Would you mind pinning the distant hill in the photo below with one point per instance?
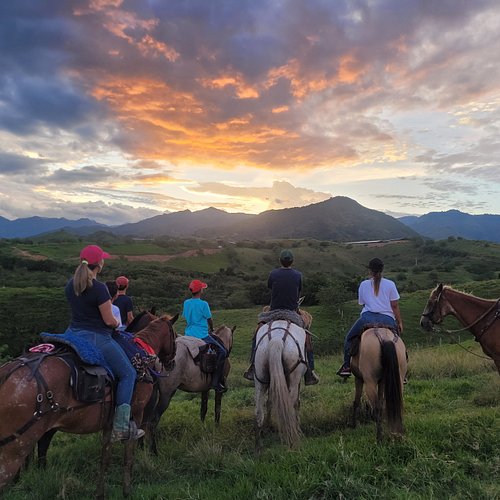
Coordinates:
(32, 226)
(336, 219)
(440, 225)
(181, 224)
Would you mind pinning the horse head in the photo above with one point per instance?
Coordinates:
(225, 334)
(433, 313)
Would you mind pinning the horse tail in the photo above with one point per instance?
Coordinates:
(392, 385)
(282, 405)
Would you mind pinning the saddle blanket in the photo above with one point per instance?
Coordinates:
(284, 314)
(192, 344)
(86, 351)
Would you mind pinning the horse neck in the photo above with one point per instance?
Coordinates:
(152, 337)
(224, 334)
(467, 308)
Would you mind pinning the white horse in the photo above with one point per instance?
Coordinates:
(280, 364)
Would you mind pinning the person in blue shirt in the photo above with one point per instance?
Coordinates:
(199, 324)
(285, 284)
(92, 319)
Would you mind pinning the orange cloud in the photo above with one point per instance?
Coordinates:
(242, 89)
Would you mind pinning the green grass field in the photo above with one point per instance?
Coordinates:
(450, 450)
(452, 400)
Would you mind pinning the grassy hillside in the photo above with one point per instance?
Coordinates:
(451, 402)
(450, 450)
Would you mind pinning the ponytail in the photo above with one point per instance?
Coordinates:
(82, 279)
(377, 278)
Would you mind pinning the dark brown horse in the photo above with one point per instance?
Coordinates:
(37, 397)
(380, 367)
(479, 316)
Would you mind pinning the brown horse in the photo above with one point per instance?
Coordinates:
(380, 366)
(187, 376)
(37, 397)
(139, 322)
(479, 316)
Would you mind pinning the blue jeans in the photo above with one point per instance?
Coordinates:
(221, 357)
(357, 329)
(123, 371)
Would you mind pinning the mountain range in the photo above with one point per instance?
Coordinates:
(336, 219)
(439, 225)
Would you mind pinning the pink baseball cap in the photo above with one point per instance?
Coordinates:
(93, 254)
(121, 280)
(196, 285)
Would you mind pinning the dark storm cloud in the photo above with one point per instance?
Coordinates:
(84, 175)
(15, 165)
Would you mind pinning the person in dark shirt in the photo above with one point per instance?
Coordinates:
(285, 284)
(93, 320)
(123, 301)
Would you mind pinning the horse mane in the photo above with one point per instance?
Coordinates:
(461, 292)
(136, 320)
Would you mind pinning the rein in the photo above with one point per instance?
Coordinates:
(468, 327)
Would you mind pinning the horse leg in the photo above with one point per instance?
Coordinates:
(204, 405)
(128, 466)
(12, 459)
(357, 401)
(161, 407)
(218, 406)
(372, 393)
(43, 447)
(260, 396)
(105, 461)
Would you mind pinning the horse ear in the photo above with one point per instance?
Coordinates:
(233, 328)
(174, 318)
(440, 288)
(153, 310)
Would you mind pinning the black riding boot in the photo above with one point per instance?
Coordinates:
(310, 377)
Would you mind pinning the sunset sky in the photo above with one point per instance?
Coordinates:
(118, 110)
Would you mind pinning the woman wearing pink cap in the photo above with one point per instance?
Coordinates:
(199, 324)
(92, 318)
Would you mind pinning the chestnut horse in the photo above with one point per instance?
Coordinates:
(36, 397)
(380, 366)
(186, 376)
(479, 316)
(139, 322)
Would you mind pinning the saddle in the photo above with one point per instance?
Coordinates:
(204, 355)
(357, 338)
(90, 374)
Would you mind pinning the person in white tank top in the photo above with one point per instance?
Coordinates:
(379, 298)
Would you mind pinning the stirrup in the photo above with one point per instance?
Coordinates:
(131, 434)
(250, 373)
(344, 371)
(310, 378)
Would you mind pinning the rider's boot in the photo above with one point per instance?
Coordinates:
(124, 429)
(310, 377)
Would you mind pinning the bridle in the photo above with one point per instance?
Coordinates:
(495, 307)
